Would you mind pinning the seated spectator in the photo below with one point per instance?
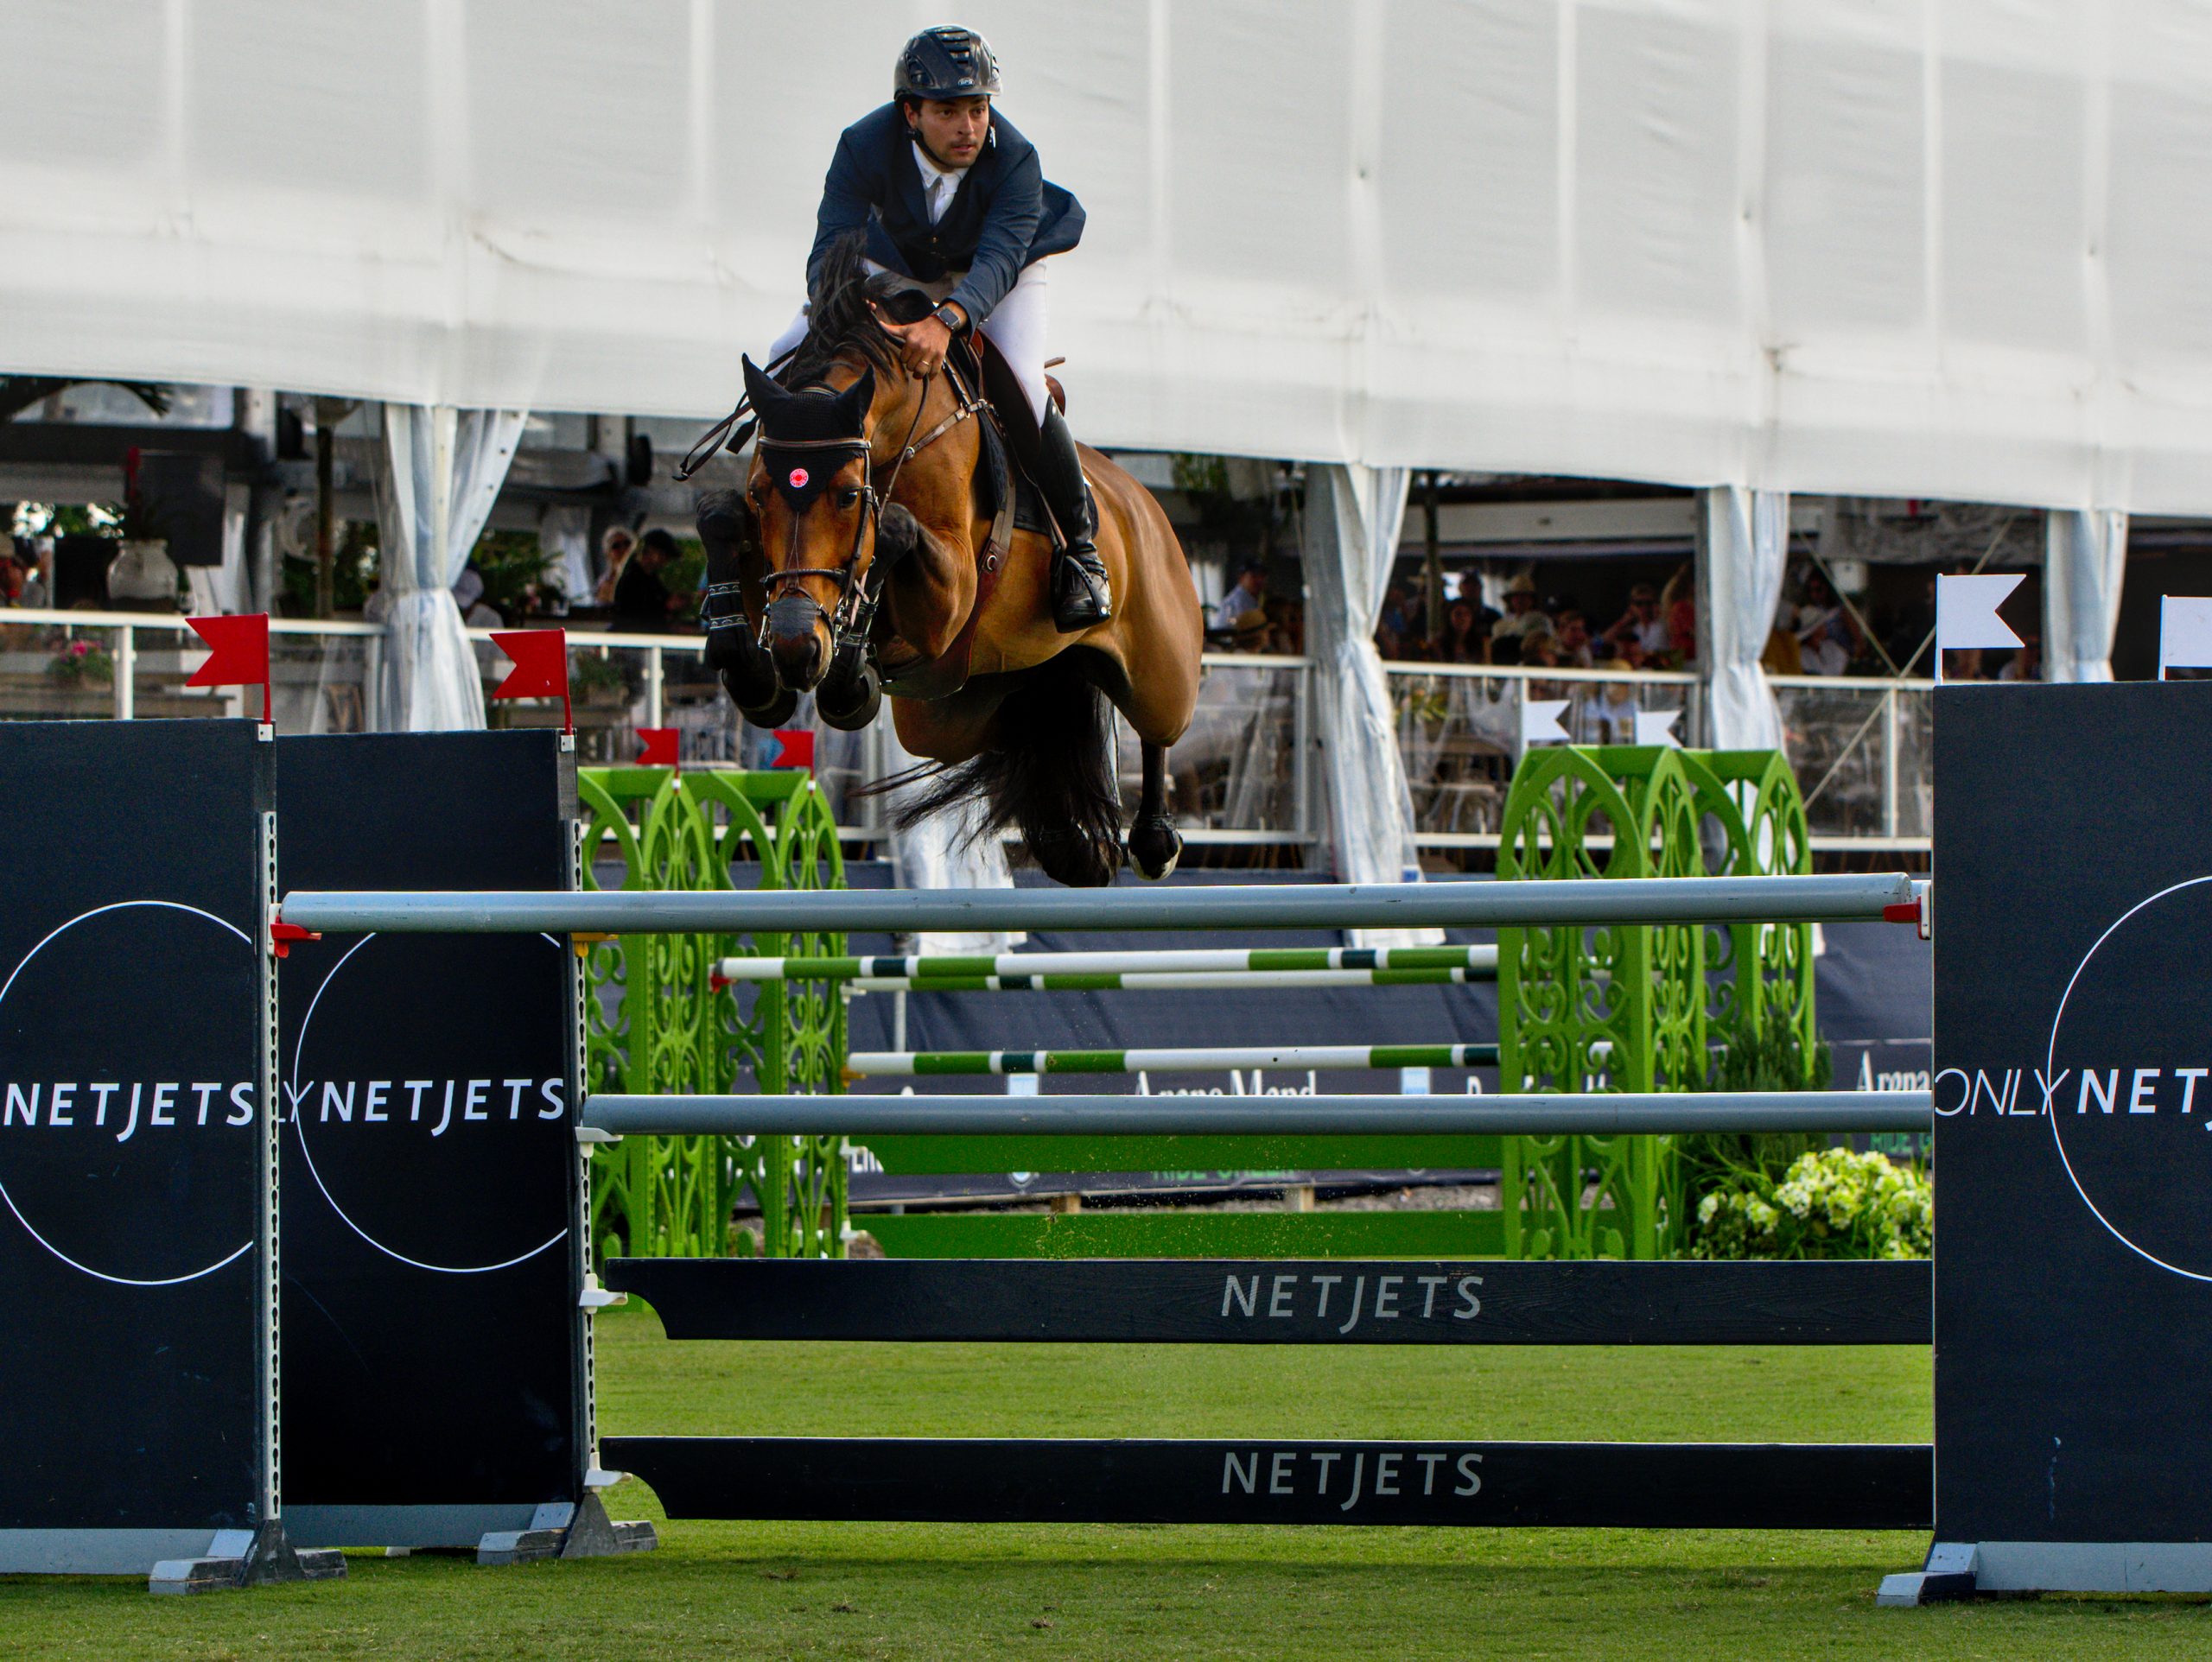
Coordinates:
(1642, 622)
(1248, 593)
(641, 599)
(2026, 664)
(1964, 663)
(1522, 617)
(1465, 640)
(613, 553)
(1570, 641)
(1828, 636)
(1286, 629)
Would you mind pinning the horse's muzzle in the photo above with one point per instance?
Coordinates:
(798, 640)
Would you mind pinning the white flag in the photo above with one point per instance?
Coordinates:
(1657, 727)
(1539, 721)
(2184, 632)
(1966, 612)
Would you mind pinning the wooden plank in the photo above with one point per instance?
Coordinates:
(1190, 1235)
(1625, 1485)
(1286, 1301)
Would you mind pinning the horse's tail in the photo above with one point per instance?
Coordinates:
(1050, 772)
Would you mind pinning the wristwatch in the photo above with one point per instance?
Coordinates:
(951, 317)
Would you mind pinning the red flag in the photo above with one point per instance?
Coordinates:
(541, 659)
(660, 748)
(237, 653)
(796, 748)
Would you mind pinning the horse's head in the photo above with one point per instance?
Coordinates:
(813, 493)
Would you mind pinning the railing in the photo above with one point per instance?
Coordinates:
(1459, 727)
(1241, 774)
(1864, 755)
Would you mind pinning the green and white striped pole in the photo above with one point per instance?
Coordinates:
(918, 1064)
(1142, 982)
(1477, 962)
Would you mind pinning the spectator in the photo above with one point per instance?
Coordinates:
(1643, 623)
(2026, 664)
(1964, 663)
(1471, 591)
(1570, 641)
(1248, 593)
(1678, 604)
(1249, 632)
(1286, 629)
(1828, 637)
(1464, 637)
(641, 599)
(613, 553)
(1521, 616)
(468, 595)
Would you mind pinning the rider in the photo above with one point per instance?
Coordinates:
(946, 190)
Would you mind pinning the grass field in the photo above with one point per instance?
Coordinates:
(743, 1590)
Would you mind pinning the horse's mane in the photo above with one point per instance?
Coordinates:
(841, 317)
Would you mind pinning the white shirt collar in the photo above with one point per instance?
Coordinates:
(938, 184)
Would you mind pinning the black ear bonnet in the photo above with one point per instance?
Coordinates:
(806, 436)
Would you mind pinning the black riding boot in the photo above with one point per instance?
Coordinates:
(1080, 595)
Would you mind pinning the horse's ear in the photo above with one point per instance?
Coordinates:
(856, 399)
(764, 392)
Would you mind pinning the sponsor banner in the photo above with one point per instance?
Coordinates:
(428, 1156)
(2074, 1116)
(134, 1158)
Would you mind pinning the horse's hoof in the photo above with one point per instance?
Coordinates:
(775, 713)
(1155, 846)
(851, 707)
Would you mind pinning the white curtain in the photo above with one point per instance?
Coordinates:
(437, 477)
(2084, 561)
(1352, 516)
(944, 852)
(1742, 548)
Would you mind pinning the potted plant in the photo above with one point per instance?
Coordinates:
(81, 663)
(142, 577)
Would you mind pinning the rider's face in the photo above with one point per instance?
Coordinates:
(952, 129)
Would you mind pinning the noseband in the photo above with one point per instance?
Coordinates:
(857, 597)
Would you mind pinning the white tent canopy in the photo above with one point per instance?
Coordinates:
(1890, 247)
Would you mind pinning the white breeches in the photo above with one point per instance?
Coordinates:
(1016, 326)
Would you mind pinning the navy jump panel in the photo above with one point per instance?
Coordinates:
(430, 1176)
(1286, 1301)
(135, 1157)
(980, 1480)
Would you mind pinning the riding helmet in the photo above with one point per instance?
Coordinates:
(946, 62)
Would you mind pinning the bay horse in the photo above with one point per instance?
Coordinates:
(873, 549)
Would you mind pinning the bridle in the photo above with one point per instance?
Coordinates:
(858, 596)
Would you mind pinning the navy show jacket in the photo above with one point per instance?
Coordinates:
(1004, 215)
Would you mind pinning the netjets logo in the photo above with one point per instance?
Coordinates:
(2126, 1081)
(126, 1096)
(422, 1094)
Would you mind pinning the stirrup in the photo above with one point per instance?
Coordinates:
(1084, 599)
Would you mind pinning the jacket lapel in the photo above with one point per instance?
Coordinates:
(911, 193)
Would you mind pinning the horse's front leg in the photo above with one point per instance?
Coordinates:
(1154, 843)
(932, 582)
(734, 609)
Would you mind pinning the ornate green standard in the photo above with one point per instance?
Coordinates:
(658, 1020)
(1638, 1007)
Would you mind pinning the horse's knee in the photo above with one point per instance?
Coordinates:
(1155, 846)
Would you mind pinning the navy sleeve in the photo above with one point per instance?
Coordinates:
(1009, 227)
(846, 203)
